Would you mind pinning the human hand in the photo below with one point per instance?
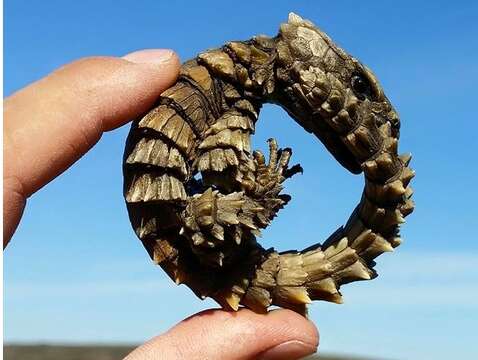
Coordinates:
(51, 123)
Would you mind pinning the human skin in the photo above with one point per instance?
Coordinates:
(75, 105)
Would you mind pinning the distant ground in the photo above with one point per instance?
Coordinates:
(55, 352)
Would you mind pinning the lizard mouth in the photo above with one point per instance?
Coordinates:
(331, 139)
(339, 151)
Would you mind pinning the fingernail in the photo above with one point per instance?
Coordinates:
(290, 350)
(150, 56)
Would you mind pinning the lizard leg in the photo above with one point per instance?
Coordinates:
(268, 178)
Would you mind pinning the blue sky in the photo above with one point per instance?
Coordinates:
(75, 271)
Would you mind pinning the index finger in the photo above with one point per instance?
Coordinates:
(53, 122)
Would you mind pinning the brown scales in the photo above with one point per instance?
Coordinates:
(198, 196)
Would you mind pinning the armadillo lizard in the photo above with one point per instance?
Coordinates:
(197, 196)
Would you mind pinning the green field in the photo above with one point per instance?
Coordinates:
(56, 352)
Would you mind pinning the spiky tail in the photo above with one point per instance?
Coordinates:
(293, 279)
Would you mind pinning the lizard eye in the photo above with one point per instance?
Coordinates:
(361, 86)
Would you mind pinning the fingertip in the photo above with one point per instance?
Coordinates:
(164, 61)
(301, 328)
(144, 76)
(285, 334)
(280, 334)
(152, 56)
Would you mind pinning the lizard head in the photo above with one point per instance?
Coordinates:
(327, 91)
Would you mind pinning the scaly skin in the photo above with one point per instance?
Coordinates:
(203, 231)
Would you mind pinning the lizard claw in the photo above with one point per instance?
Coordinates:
(292, 171)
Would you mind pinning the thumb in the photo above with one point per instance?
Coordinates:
(242, 335)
